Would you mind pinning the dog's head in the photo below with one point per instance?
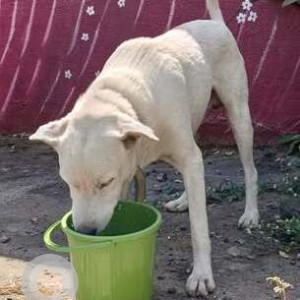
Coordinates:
(97, 155)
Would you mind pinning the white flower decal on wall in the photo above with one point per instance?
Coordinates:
(247, 14)
(122, 3)
(247, 4)
(90, 10)
(68, 74)
(241, 18)
(252, 16)
(85, 37)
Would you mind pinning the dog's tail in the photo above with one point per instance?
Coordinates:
(214, 10)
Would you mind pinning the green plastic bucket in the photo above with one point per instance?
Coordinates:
(119, 263)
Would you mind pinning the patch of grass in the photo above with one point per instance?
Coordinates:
(226, 191)
(284, 233)
(288, 185)
(291, 230)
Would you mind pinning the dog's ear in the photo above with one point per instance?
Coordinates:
(132, 131)
(51, 132)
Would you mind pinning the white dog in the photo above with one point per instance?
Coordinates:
(147, 104)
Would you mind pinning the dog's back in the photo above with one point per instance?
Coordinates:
(181, 62)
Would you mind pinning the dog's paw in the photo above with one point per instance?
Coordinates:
(249, 219)
(178, 205)
(200, 284)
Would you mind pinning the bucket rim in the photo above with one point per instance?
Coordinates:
(115, 238)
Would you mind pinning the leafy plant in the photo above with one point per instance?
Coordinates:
(293, 140)
(226, 191)
(280, 286)
(285, 234)
(288, 185)
(288, 2)
(292, 230)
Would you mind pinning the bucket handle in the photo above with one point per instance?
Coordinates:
(140, 191)
(58, 248)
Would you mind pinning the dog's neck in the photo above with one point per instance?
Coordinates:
(106, 98)
(135, 100)
(133, 91)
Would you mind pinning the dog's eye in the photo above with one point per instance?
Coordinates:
(101, 185)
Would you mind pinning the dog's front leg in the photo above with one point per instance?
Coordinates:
(201, 280)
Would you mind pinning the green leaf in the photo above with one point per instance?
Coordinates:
(288, 2)
(294, 146)
(288, 138)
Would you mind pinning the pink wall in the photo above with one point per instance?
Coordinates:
(50, 51)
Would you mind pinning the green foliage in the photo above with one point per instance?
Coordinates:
(288, 2)
(288, 185)
(293, 141)
(284, 233)
(292, 230)
(287, 232)
(226, 191)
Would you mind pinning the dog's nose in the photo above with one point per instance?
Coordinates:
(87, 230)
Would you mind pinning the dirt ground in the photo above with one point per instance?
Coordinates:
(32, 196)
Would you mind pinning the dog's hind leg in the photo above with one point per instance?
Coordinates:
(232, 89)
(243, 131)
